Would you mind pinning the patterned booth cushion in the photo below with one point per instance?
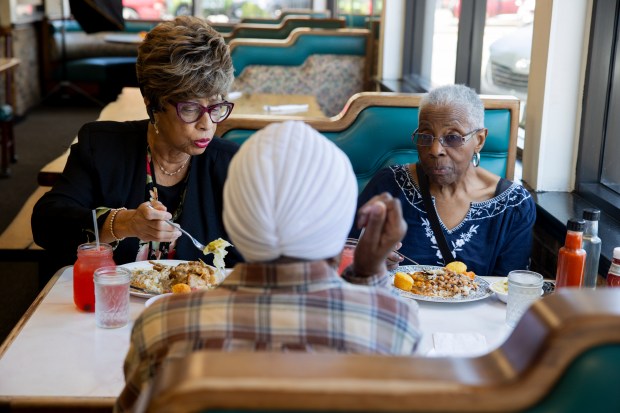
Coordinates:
(332, 78)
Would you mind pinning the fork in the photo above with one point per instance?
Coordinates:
(196, 243)
(405, 257)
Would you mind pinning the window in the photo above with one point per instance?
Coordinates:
(144, 9)
(598, 169)
(231, 11)
(483, 44)
(506, 48)
(445, 36)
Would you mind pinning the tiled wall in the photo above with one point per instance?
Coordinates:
(26, 76)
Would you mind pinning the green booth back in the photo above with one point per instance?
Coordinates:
(295, 54)
(381, 136)
(278, 20)
(356, 20)
(286, 29)
(130, 26)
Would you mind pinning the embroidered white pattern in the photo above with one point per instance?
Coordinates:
(468, 228)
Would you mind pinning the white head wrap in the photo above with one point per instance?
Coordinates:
(290, 192)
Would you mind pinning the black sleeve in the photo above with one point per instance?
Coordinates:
(104, 169)
(62, 218)
(374, 187)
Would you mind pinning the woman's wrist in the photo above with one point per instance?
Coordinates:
(114, 227)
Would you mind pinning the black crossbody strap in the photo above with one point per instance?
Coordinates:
(432, 216)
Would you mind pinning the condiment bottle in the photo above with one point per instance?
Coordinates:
(592, 246)
(571, 257)
(613, 276)
(89, 258)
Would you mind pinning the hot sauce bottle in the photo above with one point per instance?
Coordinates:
(613, 277)
(571, 257)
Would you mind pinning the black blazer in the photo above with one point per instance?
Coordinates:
(107, 168)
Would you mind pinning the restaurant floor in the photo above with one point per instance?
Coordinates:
(42, 135)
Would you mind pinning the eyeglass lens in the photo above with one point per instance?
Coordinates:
(190, 111)
(424, 139)
(451, 140)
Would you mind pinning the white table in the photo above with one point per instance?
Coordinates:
(124, 38)
(56, 354)
(57, 351)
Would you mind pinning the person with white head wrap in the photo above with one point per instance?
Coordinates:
(289, 201)
(290, 192)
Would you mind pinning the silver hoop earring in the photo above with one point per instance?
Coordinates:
(475, 160)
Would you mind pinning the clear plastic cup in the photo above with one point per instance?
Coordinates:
(112, 296)
(524, 287)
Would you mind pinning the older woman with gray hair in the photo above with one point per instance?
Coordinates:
(455, 209)
(139, 174)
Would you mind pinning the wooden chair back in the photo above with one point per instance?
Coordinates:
(564, 355)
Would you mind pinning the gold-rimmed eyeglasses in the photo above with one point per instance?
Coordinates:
(451, 140)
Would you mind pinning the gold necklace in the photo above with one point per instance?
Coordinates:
(161, 168)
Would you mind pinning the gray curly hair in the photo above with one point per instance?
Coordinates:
(183, 59)
(457, 95)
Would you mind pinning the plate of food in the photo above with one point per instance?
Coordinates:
(450, 284)
(151, 278)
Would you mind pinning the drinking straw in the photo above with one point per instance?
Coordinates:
(96, 228)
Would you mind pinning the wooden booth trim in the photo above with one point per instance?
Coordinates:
(519, 374)
(360, 101)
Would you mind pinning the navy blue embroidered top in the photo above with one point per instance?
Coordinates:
(493, 239)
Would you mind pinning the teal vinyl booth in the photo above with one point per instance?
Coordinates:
(282, 30)
(301, 44)
(91, 59)
(331, 65)
(316, 14)
(563, 356)
(375, 131)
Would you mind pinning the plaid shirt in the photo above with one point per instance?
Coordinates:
(274, 307)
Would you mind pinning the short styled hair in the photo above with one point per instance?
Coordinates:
(457, 95)
(183, 59)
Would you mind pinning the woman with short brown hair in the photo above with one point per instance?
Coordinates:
(139, 174)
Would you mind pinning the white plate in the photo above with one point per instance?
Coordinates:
(483, 291)
(131, 266)
(147, 265)
(154, 298)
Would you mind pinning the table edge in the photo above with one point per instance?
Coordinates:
(44, 403)
(30, 311)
